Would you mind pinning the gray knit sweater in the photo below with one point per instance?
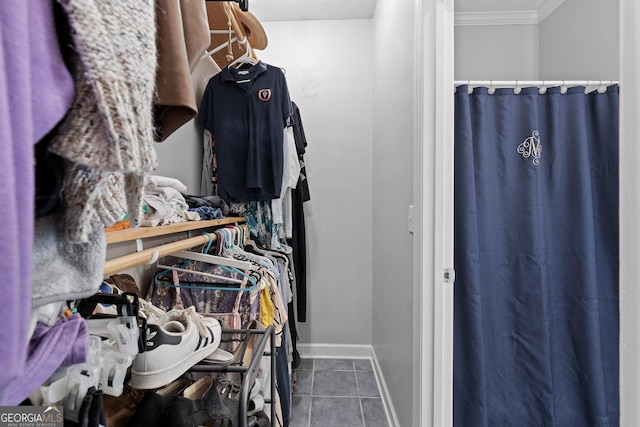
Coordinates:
(109, 128)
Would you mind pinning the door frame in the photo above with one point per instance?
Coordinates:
(629, 212)
(433, 192)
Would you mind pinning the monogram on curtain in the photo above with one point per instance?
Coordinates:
(536, 257)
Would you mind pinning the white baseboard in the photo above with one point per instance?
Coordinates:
(328, 351)
(350, 351)
(392, 417)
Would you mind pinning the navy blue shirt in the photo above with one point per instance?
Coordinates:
(247, 110)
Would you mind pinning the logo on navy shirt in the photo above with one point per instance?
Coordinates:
(264, 94)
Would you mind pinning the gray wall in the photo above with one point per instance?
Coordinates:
(328, 69)
(393, 126)
(580, 41)
(180, 156)
(332, 84)
(358, 116)
(496, 52)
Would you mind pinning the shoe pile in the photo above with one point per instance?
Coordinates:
(182, 403)
(175, 342)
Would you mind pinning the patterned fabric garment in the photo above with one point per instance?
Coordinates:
(271, 304)
(238, 208)
(214, 164)
(257, 261)
(261, 225)
(286, 277)
(171, 289)
(269, 284)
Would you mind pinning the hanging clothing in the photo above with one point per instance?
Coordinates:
(206, 69)
(36, 91)
(63, 344)
(109, 128)
(281, 207)
(182, 38)
(301, 147)
(262, 228)
(536, 258)
(298, 241)
(208, 180)
(64, 271)
(246, 110)
(172, 289)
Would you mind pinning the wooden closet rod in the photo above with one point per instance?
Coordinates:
(116, 265)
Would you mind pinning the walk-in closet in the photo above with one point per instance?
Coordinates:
(319, 213)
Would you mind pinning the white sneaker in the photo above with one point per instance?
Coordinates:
(149, 311)
(175, 342)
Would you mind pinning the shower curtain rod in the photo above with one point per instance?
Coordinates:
(523, 83)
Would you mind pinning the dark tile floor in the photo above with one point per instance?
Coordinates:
(336, 392)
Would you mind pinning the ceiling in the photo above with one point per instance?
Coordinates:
(497, 5)
(300, 10)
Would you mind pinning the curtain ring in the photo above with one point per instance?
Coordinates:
(602, 86)
(517, 88)
(563, 87)
(491, 88)
(469, 87)
(543, 88)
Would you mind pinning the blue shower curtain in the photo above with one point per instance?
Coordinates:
(536, 258)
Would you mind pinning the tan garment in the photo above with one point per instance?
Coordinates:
(183, 36)
(220, 17)
(206, 69)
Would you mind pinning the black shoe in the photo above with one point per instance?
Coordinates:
(201, 404)
(156, 405)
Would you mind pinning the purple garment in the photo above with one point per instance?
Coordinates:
(36, 90)
(64, 343)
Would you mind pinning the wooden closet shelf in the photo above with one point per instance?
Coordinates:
(161, 230)
(146, 256)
